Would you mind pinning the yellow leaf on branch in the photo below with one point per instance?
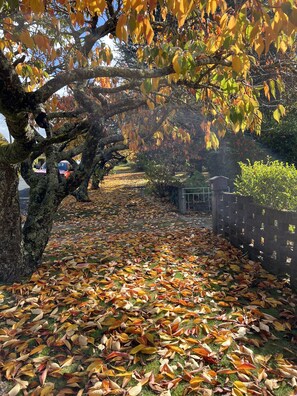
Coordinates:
(121, 30)
(98, 6)
(232, 23)
(149, 33)
(37, 6)
(19, 69)
(176, 63)
(237, 64)
(276, 115)
(259, 45)
(26, 39)
(213, 6)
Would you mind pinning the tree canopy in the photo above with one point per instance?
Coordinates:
(213, 47)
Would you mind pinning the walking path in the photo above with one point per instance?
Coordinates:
(127, 206)
(136, 299)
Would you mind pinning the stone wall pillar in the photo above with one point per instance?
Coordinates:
(219, 184)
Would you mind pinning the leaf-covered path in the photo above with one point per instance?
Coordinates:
(134, 299)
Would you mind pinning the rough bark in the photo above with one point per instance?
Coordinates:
(11, 258)
(88, 163)
(98, 175)
(96, 179)
(46, 194)
(21, 250)
(81, 194)
(44, 202)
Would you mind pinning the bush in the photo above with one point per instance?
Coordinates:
(160, 176)
(195, 180)
(166, 170)
(273, 184)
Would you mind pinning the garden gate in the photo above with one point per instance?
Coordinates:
(195, 199)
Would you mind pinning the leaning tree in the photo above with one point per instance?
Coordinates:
(209, 46)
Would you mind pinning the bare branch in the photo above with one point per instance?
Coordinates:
(66, 114)
(106, 154)
(81, 74)
(101, 31)
(110, 139)
(122, 107)
(69, 154)
(68, 132)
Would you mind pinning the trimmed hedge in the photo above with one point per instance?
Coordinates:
(272, 184)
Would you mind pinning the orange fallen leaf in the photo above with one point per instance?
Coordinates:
(245, 367)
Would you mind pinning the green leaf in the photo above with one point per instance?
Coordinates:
(272, 88)
(147, 84)
(13, 4)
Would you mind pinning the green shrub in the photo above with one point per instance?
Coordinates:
(160, 176)
(195, 180)
(273, 184)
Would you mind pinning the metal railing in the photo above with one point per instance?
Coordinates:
(195, 199)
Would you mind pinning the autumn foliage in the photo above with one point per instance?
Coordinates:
(131, 299)
(149, 304)
(225, 53)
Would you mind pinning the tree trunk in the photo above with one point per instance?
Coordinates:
(88, 161)
(21, 250)
(43, 205)
(95, 181)
(98, 175)
(81, 193)
(11, 255)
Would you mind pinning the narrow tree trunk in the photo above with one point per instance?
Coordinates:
(95, 181)
(81, 193)
(98, 175)
(21, 250)
(88, 158)
(11, 258)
